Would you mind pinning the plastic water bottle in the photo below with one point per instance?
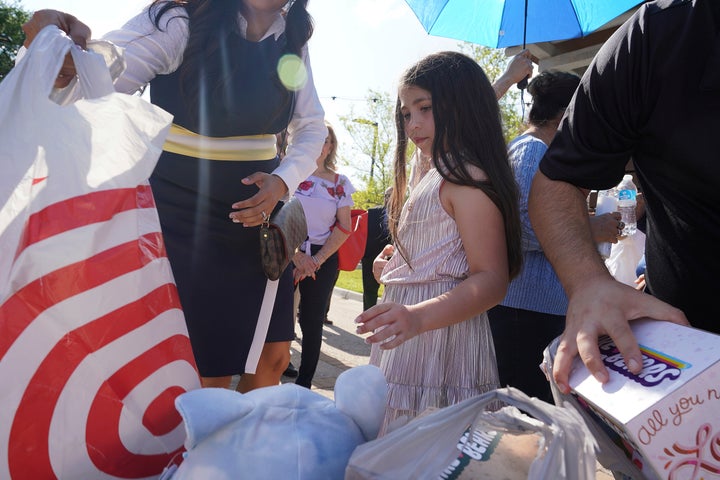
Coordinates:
(606, 203)
(627, 201)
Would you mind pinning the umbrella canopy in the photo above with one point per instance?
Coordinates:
(502, 23)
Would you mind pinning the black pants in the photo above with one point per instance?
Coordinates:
(370, 285)
(520, 338)
(314, 296)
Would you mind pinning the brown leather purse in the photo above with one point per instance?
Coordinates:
(280, 236)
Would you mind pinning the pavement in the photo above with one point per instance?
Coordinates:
(343, 349)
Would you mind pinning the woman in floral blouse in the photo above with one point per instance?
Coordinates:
(326, 199)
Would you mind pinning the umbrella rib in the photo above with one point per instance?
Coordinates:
(577, 19)
(502, 17)
(430, 27)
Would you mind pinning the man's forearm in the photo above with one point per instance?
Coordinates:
(558, 214)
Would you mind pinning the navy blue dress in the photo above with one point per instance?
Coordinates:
(215, 262)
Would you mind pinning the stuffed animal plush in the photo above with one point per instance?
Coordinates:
(277, 432)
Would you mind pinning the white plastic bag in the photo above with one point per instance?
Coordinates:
(556, 443)
(624, 257)
(93, 344)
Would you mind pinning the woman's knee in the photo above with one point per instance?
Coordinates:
(275, 356)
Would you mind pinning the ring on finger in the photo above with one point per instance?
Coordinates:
(264, 215)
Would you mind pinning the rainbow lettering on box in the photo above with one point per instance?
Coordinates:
(657, 366)
(665, 358)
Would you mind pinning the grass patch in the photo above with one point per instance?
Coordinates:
(353, 281)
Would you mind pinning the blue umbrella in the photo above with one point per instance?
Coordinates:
(508, 23)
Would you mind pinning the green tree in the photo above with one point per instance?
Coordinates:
(12, 18)
(372, 149)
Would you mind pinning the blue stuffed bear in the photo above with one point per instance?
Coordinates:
(285, 431)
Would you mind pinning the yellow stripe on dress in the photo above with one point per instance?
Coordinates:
(182, 141)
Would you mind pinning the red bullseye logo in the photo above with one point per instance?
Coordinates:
(93, 348)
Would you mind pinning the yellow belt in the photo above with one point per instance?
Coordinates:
(246, 148)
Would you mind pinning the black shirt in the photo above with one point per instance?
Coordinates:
(652, 94)
(378, 235)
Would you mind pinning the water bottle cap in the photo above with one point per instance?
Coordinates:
(627, 177)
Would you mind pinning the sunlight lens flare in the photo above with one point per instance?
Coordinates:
(292, 72)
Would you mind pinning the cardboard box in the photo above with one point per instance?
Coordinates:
(667, 417)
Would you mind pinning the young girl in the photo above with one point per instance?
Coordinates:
(213, 65)
(457, 241)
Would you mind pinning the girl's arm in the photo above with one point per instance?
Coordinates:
(482, 231)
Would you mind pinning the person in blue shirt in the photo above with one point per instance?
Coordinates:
(533, 311)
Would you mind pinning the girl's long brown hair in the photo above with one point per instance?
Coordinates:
(468, 132)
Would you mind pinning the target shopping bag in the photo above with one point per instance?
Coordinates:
(93, 343)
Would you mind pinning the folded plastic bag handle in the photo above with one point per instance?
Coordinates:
(519, 399)
(93, 73)
(45, 58)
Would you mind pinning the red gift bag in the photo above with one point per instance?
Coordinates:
(352, 250)
(93, 344)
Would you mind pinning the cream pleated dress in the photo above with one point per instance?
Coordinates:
(444, 366)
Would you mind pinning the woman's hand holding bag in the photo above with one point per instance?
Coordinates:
(280, 236)
(74, 28)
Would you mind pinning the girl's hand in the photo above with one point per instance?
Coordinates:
(78, 31)
(381, 260)
(391, 323)
(253, 211)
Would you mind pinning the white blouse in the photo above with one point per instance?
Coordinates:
(321, 200)
(149, 52)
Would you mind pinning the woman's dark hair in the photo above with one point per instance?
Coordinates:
(212, 21)
(551, 93)
(468, 132)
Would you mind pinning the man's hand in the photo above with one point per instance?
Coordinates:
(604, 306)
(606, 227)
